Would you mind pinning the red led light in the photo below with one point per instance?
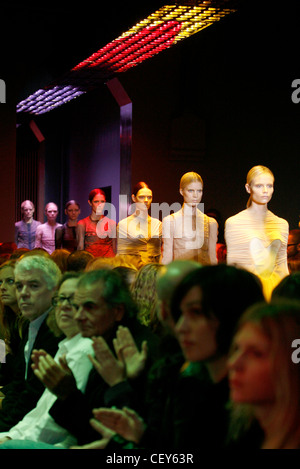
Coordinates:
(126, 52)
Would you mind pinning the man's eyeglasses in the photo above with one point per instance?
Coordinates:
(58, 300)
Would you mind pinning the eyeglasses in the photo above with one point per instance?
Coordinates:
(58, 300)
(292, 244)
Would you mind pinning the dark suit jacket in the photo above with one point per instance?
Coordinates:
(22, 395)
(75, 412)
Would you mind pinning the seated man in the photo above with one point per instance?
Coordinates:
(103, 304)
(36, 278)
(73, 351)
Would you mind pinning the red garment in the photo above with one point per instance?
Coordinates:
(99, 236)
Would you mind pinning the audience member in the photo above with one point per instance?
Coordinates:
(293, 250)
(127, 273)
(206, 306)
(36, 278)
(25, 229)
(11, 320)
(189, 233)
(66, 235)
(103, 304)
(97, 233)
(60, 257)
(73, 351)
(264, 376)
(45, 233)
(256, 239)
(144, 293)
(78, 260)
(289, 287)
(139, 235)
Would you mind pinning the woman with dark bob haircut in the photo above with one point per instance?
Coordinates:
(206, 307)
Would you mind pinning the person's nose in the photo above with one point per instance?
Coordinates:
(181, 325)
(79, 315)
(24, 291)
(235, 362)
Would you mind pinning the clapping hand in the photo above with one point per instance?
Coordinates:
(125, 422)
(57, 377)
(129, 363)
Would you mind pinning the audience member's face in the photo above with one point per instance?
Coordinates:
(192, 193)
(51, 212)
(7, 286)
(27, 211)
(143, 198)
(261, 189)
(95, 317)
(72, 212)
(33, 296)
(98, 204)
(196, 332)
(65, 310)
(250, 367)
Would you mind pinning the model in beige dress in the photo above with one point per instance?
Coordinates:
(256, 239)
(189, 233)
(139, 235)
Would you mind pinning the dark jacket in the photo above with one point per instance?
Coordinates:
(75, 412)
(22, 395)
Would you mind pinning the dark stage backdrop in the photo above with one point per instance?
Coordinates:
(217, 103)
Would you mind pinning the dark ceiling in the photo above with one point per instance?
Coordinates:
(43, 40)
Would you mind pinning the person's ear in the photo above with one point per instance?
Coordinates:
(248, 188)
(133, 198)
(181, 192)
(89, 202)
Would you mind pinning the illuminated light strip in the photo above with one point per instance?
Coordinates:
(44, 100)
(159, 31)
(188, 20)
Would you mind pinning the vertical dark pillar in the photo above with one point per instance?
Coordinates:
(125, 104)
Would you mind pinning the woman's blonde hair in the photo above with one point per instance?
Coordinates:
(279, 320)
(188, 178)
(254, 172)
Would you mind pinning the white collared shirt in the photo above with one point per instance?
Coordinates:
(38, 425)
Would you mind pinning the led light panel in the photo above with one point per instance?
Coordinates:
(159, 31)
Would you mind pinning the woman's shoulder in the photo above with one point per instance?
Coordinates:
(172, 216)
(237, 217)
(278, 219)
(125, 220)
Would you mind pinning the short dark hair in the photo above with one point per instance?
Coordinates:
(115, 291)
(226, 292)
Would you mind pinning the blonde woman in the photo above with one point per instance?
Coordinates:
(264, 377)
(189, 233)
(256, 239)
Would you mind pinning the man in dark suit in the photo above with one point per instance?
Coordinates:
(36, 278)
(104, 303)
